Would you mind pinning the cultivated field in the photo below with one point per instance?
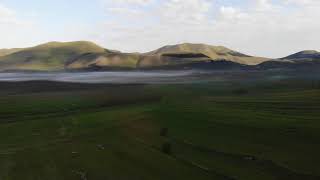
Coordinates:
(208, 130)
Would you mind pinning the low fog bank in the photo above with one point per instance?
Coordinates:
(103, 77)
(157, 77)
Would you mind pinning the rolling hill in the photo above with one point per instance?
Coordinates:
(49, 56)
(104, 60)
(213, 52)
(169, 57)
(309, 59)
(304, 55)
(80, 55)
(5, 52)
(84, 55)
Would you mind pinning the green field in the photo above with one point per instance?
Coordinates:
(214, 130)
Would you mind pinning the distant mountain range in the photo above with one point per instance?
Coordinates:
(83, 55)
(302, 60)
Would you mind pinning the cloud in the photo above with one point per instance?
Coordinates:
(186, 11)
(304, 2)
(256, 27)
(262, 27)
(162, 23)
(232, 14)
(15, 31)
(269, 29)
(124, 11)
(135, 2)
(7, 16)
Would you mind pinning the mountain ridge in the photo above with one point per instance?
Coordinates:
(4, 52)
(303, 55)
(214, 52)
(77, 55)
(47, 56)
(308, 59)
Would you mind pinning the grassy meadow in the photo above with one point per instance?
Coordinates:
(200, 131)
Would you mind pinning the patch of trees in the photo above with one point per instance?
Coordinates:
(166, 147)
(186, 55)
(164, 132)
(315, 84)
(240, 91)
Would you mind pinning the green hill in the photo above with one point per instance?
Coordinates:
(303, 55)
(105, 59)
(182, 54)
(5, 52)
(213, 52)
(309, 59)
(79, 55)
(49, 56)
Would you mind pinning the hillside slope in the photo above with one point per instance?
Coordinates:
(83, 55)
(309, 59)
(176, 56)
(5, 52)
(49, 56)
(213, 52)
(104, 60)
(304, 55)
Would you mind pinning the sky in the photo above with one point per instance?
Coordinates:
(269, 28)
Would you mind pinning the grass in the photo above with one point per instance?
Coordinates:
(81, 55)
(114, 131)
(47, 57)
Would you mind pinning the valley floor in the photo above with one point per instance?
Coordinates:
(209, 130)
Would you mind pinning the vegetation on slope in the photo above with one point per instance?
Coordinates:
(49, 56)
(116, 60)
(304, 55)
(269, 131)
(87, 55)
(213, 52)
(84, 55)
(5, 52)
(302, 60)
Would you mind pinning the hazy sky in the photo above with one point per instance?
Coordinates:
(272, 28)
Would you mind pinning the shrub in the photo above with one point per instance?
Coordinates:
(240, 91)
(166, 148)
(164, 132)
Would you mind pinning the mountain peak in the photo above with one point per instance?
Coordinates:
(213, 52)
(84, 54)
(48, 56)
(55, 44)
(199, 45)
(5, 52)
(307, 54)
(190, 47)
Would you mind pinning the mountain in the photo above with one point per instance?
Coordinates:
(49, 56)
(104, 60)
(309, 59)
(5, 52)
(83, 55)
(304, 55)
(170, 59)
(177, 56)
(212, 52)
(202, 65)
